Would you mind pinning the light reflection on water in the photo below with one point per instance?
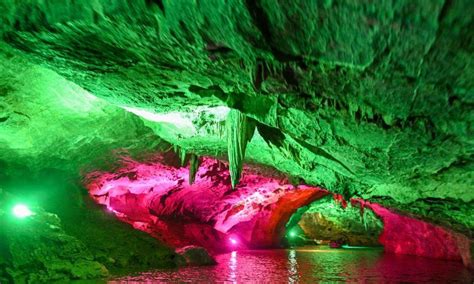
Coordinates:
(233, 267)
(312, 265)
(292, 267)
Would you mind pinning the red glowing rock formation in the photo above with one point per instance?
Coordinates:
(157, 198)
(406, 235)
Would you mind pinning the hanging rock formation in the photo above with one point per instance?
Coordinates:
(240, 131)
(374, 99)
(369, 100)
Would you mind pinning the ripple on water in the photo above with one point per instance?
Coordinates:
(311, 265)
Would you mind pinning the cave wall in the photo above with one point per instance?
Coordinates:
(158, 198)
(155, 195)
(406, 235)
(326, 219)
(50, 131)
(369, 99)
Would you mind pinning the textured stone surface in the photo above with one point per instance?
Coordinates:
(368, 99)
(50, 131)
(327, 220)
(38, 250)
(194, 255)
(405, 235)
(49, 122)
(158, 198)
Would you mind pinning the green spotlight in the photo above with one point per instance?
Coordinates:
(21, 211)
(292, 234)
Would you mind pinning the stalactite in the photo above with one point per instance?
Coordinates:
(240, 130)
(193, 167)
(182, 156)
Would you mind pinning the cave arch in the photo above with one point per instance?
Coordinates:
(158, 198)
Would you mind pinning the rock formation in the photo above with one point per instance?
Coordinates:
(365, 100)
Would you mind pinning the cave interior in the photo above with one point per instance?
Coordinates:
(130, 130)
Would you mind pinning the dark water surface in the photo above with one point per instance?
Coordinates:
(312, 265)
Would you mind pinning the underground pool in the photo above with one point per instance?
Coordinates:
(312, 265)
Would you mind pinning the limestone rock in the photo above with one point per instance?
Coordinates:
(207, 213)
(327, 220)
(194, 255)
(372, 99)
(38, 250)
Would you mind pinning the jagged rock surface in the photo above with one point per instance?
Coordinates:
(37, 250)
(194, 255)
(372, 99)
(50, 131)
(327, 220)
(157, 198)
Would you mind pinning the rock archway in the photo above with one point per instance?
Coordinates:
(156, 196)
(159, 199)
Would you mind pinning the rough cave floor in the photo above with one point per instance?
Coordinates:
(158, 197)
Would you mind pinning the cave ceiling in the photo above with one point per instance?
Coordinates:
(367, 99)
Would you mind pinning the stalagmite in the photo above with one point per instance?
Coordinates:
(240, 130)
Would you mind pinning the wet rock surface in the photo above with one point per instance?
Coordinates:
(368, 99)
(194, 255)
(406, 235)
(54, 131)
(85, 244)
(157, 198)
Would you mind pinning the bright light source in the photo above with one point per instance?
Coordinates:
(292, 234)
(21, 211)
(177, 119)
(233, 241)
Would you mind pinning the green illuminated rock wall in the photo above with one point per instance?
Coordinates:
(51, 130)
(370, 99)
(327, 220)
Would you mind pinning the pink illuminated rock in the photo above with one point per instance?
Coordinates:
(158, 199)
(406, 235)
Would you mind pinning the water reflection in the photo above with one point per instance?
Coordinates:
(233, 267)
(313, 265)
(292, 267)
